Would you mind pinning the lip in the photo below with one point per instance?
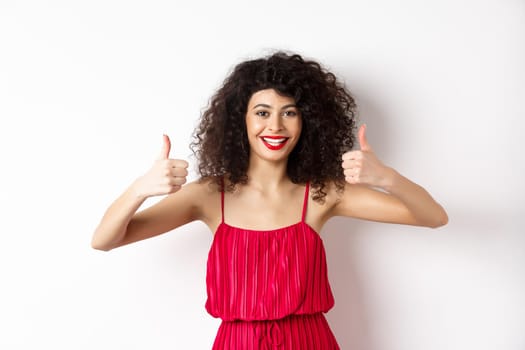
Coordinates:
(274, 147)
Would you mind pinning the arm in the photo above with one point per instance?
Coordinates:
(121, 225)
(398, 199)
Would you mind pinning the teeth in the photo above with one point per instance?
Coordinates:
(274, 142)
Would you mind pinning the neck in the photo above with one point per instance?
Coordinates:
(267, 175)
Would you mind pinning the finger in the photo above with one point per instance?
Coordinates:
(178, 163)
(352, 155)
(351, 180)
(363, 142)
(352, 172)
(174, 181)
(348, 172)
(178, 181)
(179, 172)
(352, 163)
(166, 146)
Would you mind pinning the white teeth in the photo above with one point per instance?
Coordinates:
(274, 142)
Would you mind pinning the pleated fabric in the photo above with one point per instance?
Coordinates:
(269, 287)
(299, 332)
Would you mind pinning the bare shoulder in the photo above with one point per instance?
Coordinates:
(205, 196)
(200, 193)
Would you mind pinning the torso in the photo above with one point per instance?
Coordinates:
(253, 209)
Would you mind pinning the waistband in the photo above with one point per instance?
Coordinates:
(269, 333)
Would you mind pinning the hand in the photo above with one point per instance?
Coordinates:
(362, 166)
(165, 176)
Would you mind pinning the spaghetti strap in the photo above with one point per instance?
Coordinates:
(305, 204)
(222, 201)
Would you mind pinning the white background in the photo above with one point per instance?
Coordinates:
(88, 88)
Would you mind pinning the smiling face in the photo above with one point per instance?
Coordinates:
(273, 124)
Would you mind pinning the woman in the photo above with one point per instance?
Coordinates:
(275, 160)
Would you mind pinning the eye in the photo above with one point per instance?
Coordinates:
(290, 113)
(262, 113)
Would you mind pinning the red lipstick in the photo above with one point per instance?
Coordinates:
(274, 143)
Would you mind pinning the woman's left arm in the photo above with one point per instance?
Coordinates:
(379, 193)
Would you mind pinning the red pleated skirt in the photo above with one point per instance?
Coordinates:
(298, 332)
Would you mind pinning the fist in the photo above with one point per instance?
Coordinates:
(165, 176)
(362, 166)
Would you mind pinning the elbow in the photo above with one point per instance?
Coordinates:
(440, 220)
(106, 239)
(97, 244)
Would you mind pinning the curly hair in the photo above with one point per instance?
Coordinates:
(328, 111)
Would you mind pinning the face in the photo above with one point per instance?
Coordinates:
(273, 123)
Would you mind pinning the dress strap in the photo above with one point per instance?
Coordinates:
(222, 201)
(305, 204)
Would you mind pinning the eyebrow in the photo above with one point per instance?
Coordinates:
(268, 106)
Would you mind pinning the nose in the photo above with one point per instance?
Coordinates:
(275, 123)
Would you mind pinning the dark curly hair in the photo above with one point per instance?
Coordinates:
(220, 141)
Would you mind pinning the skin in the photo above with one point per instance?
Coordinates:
(398, 199)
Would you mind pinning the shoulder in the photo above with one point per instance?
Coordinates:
(204, 185)
(200, 189)
(204, 195)
(196, 194)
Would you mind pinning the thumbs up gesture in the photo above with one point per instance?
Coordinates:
(165, 176)
(362, 166)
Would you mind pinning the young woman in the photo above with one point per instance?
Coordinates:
(275, 158)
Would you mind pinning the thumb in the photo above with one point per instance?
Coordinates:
(363, 142)
(166, 146)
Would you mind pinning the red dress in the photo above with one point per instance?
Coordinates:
(269, 287)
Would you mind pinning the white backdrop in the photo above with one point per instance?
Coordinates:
(88, 88)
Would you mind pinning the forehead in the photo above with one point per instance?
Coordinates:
(270, 97)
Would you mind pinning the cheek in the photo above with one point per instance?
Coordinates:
(296, 126)
(253, 127)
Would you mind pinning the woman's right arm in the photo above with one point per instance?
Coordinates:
(121, 224)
